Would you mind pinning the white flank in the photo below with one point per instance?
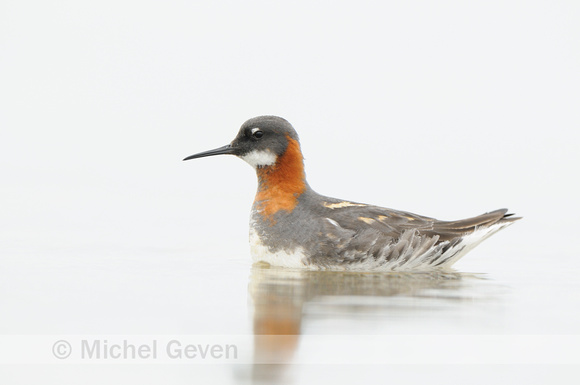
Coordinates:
(420, 259)
(261, 253)
(471, 240)
(259, 158)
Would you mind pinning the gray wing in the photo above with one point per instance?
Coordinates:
(357, 216)
(356, 233)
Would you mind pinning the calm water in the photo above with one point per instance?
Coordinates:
(313, 326)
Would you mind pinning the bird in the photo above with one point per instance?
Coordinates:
(293, 226)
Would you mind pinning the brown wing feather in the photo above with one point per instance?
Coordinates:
(448, 230)
(393, 222)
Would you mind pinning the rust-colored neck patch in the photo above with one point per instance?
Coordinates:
(280, 185)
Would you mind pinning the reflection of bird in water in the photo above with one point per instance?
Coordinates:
(279, 296)
(293, 226)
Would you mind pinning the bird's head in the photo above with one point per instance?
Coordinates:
(261, 142)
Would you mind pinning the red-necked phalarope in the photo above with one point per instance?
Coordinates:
(293, 226)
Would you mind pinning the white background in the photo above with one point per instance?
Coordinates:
(448, 109)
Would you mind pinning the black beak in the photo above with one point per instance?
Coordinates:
(227, 149)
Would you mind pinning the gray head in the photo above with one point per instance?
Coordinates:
(260, 141)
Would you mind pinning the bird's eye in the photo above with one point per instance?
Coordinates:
(257, 133)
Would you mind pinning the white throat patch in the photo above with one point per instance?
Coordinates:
(259, 158)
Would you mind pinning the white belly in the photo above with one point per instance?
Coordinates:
(286, 258)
